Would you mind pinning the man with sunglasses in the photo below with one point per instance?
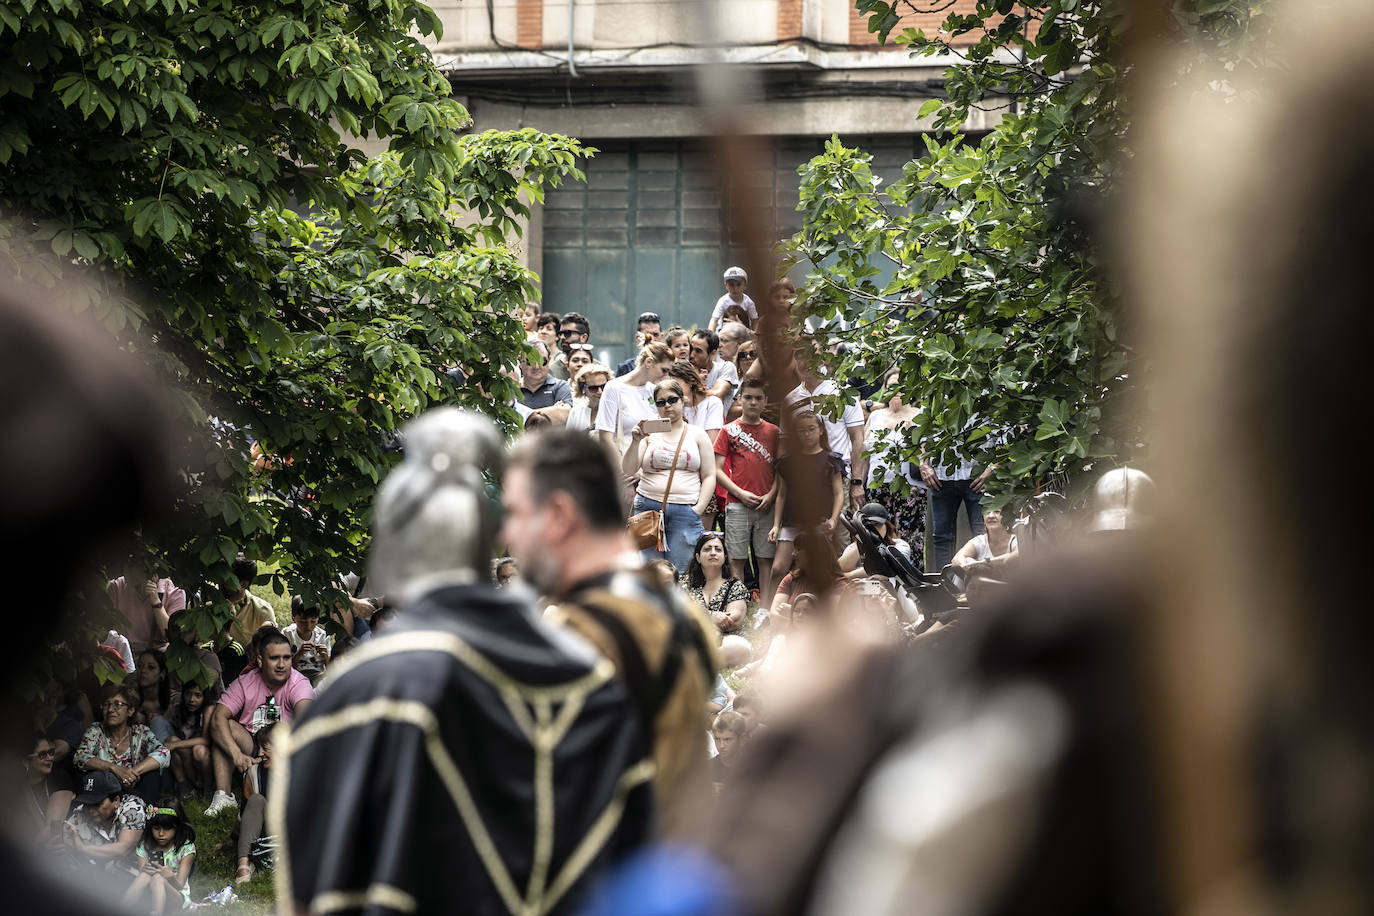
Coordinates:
(537, 389)
(573, 328)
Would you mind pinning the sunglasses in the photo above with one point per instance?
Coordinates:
(44, 755)
(114, 704)
(600, 387)
(667, 402)
(748, 354)
(569, 332)
(580, 346)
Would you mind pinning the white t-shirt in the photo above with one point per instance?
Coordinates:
(580, 417)
(708, 414)
(981, 549)
(836, 429)
(724, 302)
(320, 637)
(631, 403)
(723, 370)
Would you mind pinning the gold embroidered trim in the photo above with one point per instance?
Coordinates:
(377, 895)
(543, 729)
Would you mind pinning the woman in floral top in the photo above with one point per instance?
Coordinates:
(725, 600)
(131, 753)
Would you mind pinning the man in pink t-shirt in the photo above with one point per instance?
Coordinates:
(146, 603)
(746, 452)
(273, 691)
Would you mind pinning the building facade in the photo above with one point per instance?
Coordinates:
(646, 231)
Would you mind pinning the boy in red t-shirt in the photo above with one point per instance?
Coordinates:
(746, 451)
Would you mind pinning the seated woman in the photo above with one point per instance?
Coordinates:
(130, 753)
(253, 817)
(51, 789)
(154, 693)
(107, 824)
(723, 596)
(986, 554)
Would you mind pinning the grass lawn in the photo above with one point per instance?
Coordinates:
(216, 859)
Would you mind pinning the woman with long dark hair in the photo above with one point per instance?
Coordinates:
(154, 692)
(708, 581)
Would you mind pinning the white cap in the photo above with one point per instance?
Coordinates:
(735, 273)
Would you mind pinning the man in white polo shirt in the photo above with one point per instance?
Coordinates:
(844, 432)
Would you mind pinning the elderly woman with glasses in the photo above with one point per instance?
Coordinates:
(676, 471)
(129, 752)
(589, 383)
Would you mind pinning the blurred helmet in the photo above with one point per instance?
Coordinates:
(1123, 499)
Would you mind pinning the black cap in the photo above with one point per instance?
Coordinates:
(875, 512)
(96, 787)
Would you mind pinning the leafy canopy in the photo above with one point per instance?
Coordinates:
(978, 274)
(299, 299)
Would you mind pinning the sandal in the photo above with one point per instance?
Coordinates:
(245, 873)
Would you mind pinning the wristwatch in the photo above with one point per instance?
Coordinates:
(856, 482)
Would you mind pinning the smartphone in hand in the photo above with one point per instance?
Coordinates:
(661, 425)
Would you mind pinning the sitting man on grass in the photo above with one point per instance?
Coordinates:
(274, 691)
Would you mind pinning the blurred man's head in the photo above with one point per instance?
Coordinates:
(560, 490)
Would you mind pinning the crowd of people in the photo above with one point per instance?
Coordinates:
(691, 418)
(111, 765)
(748, 494)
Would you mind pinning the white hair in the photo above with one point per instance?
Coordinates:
(733, 330)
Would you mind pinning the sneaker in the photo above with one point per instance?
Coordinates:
(223, 801)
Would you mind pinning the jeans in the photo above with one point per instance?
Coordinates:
(681, 528)
(944, 518)
(251, 823)
(161, 727)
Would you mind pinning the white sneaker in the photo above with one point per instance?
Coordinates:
(222, 802)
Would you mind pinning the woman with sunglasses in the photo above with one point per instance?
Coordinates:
(589, 382)
(51, 790)
(688, 488)
(114, 744)
(703, 410)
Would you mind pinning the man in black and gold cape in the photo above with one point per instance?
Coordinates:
(471, 760)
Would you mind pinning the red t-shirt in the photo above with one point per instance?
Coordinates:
(750, 453)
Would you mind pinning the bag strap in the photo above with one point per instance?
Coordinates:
(668, 490)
